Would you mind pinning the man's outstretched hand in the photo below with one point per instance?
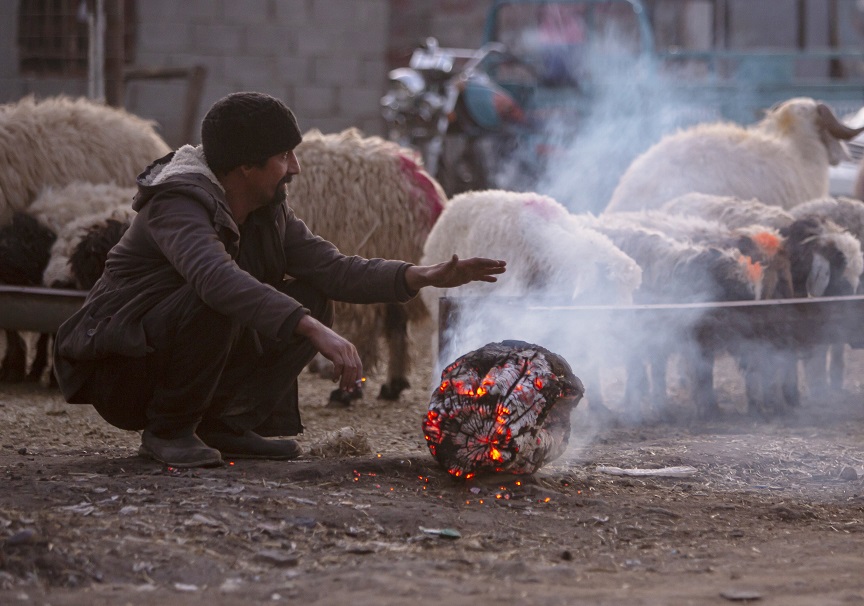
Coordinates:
(454, 272)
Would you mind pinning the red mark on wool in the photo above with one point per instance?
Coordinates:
(423, 182)
(542, 207)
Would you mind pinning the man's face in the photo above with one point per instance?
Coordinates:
(271, 180)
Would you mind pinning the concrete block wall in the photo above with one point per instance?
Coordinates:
(326, 58)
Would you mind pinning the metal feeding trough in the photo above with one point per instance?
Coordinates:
(37, 309)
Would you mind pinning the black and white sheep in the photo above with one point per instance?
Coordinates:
(88, 219)
(826, 261)
(676, 271)
(60, 140)
(821, 251)
(768, 389)
(72, 211)
(25, 247)
(372, 198)
(782, 160)
(549, 256)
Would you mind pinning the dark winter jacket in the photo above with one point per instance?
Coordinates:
(185, 236)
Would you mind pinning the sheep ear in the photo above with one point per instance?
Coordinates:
(820, 273)
(837, 151)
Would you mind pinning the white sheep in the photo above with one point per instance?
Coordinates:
(58, 140)
(549, 256)
(370, 197)
(782, 160)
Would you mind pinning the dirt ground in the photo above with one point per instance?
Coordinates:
(771, 513)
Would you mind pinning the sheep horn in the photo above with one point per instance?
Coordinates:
(837, 129)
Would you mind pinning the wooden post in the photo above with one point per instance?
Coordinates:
(836, 67)
(802, 24)
(115, 55)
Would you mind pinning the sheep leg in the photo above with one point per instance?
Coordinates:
(396, 333)
(40, 361)
(754, 386)
(636, 386)
(659, 389)
(703, 384)
(789, 379)
(837, 366)
(341, 398)
(14, 367)
(815, 369)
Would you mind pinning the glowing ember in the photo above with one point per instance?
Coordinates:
(502, 408)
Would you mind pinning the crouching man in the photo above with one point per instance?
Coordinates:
(218, 295)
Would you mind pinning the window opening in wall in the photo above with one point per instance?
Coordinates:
(53, 35)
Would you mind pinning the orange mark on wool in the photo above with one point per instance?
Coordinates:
(767, 242)
(753, 269)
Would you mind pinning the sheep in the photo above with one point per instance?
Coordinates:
(68, 214)
(25, 247)
(675, 271)
(372, 198)
(782, 160)
(548, 254)
(847, 213)
(71, 211)
(59, 140)
(811, 247)
(768, 390)
(826, 261)
(729, 210)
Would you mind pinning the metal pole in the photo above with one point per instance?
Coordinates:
(96, 51)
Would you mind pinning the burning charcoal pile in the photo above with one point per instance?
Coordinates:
(502, 408)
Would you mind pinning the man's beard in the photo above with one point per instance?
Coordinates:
(281, 193)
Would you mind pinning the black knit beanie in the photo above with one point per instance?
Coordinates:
(247, 128)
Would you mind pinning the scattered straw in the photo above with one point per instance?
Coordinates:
(345, 442)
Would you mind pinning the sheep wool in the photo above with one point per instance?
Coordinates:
(69, 212)
(372, 198)
(783, 160)
(848, 213)
(59, 271)
(729, 210)
(545, 249)
(55, 141)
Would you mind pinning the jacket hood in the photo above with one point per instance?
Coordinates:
(186, 165)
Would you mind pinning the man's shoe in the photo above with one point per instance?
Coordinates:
(179, 452)
(249, 445)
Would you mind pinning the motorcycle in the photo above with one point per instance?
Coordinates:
(468, 129)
